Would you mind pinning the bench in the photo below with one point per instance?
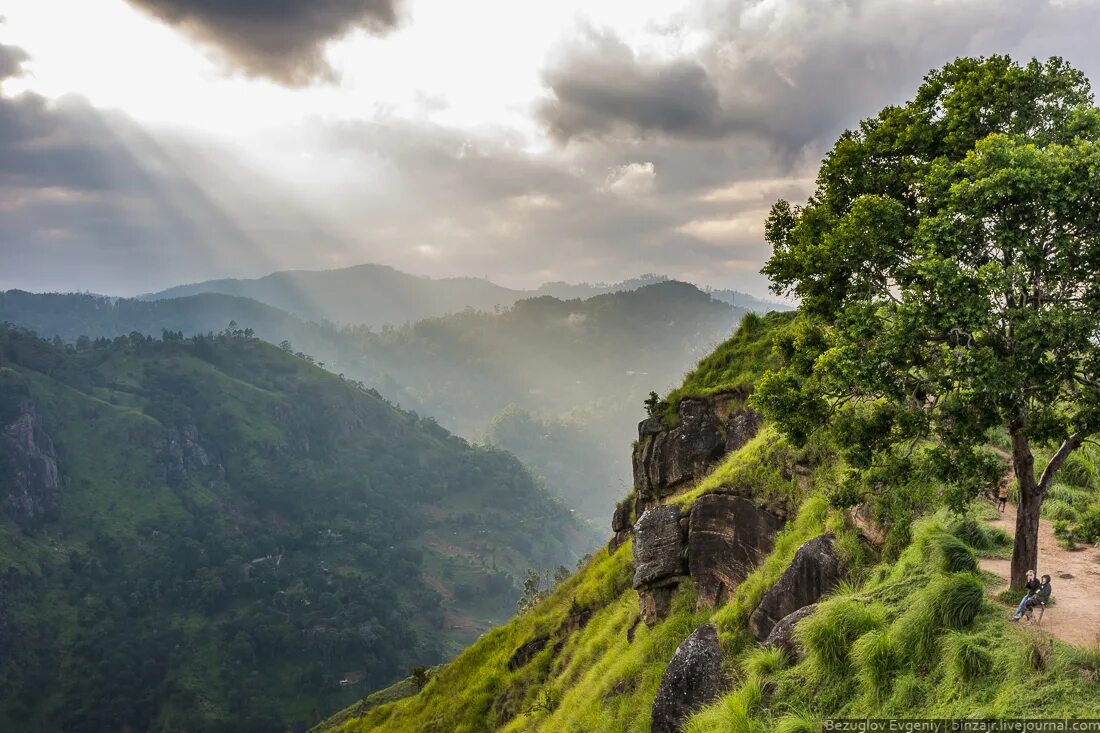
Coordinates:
(1042, 606)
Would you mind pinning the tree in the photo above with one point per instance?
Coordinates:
(947, 267)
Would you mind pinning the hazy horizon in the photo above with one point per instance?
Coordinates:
(525, 143)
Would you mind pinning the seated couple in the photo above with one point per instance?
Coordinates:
(1038, 594)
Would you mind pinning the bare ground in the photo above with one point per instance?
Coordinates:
(1075, 579)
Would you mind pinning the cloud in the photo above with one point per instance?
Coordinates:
(282, 40)
(793, 74)
(631, 179)
(11, 61)
(603, 85)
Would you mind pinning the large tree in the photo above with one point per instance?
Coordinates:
(948, 266)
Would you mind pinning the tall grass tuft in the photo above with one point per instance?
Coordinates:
(954, 556)
(829, 633)
(803, 722)
(877, 660)
(764, 661)
(967, 655)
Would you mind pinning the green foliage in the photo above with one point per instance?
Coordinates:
(878, 660)
(737, 362)
(241, 528)
(829, 633)
(946, 277)
(967, 656)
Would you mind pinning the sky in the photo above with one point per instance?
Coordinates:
(147, 143)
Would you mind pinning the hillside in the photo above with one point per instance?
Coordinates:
(212, 534)
(870, 606)
(574, 371)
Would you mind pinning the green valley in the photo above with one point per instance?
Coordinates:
(211, 534)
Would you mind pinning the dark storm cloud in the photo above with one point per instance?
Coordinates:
(280, 39)
(603, 84)
(795, 74)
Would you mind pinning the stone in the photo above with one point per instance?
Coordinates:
(782, 634)
(620, 520)
(617, 540)
(658, 546)
(34, 479)
(815, 570)
(527, 652)
(870, 530)
(728, 537)
(693, 678)
(654, 605)
(666, 458)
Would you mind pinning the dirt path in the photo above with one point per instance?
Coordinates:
(1075, 578)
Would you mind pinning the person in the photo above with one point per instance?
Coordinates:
(1002, 497)
(1031, 586)
(1040, 596)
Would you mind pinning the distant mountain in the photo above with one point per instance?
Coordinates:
(574, 370)
(751, 302)
(366, 294)
(212, 534)
(376, 295)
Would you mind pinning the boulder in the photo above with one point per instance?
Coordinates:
(871, 531)
(658, 546)
(620, 520)
(617, 540)
(782, 634)
(654, 604)
(34, 479)
(693, 678)
(815, 569)
(728, 536)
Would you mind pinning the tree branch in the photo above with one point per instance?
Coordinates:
(1056, 461)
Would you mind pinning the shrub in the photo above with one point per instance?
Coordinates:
(967, 655)
(1087, 528)
(1079, 470)
(1055, 509)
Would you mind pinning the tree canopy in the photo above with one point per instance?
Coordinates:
(947, 269)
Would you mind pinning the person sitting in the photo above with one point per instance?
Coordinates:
(1038, 598)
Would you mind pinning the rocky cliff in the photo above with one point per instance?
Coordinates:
(28, 467)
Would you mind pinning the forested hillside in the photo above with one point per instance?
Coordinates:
(212, 534)
(574, 371)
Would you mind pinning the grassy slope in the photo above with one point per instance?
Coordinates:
(915, 636)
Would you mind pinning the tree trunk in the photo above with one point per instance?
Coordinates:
(1025, 548)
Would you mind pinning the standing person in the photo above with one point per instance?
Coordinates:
(1002, 496)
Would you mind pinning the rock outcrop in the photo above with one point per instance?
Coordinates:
(871, 531)
(34, 480)
(658, 560)
(667, 457)
(782, 634)
(527, 652)
(692, 679)
(815, 569)
(728, 536)
(620, 525)
(181, 453)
